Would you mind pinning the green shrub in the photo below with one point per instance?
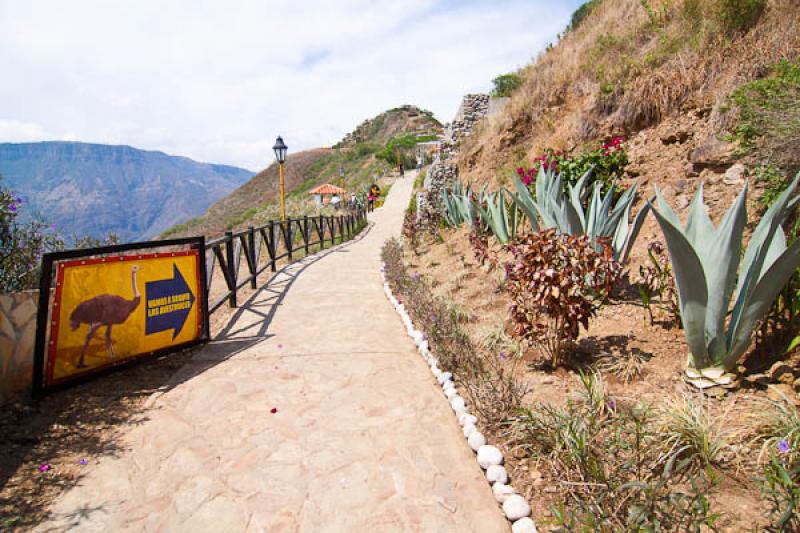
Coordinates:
(581, 13)
(690, 431)
(738, 15)
(780, 486)
(441, 323)
(506, 84)
(769, 109)
(606, 457)
(22, 245)
(402, 144)
(607, 163)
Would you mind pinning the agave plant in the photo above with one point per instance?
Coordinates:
(459, 206)
(601, 218)
(502, 219)
(451, 212)
(705, 261)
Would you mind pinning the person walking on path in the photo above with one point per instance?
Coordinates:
(374, 194)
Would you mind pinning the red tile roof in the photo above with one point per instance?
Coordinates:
(327, 188)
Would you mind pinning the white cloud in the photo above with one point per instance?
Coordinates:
(217, 81)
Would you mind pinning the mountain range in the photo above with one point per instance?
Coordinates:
(90, 189)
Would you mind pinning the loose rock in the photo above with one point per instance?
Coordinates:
(524, 525)
(476, 440)
(496, 474)
(515, 507)
(467, 418)
(734, 175)
(501, 492)
(488, 456)
(457, 402)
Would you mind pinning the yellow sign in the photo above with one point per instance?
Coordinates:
(112, 309)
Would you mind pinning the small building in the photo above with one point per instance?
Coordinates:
(325, 193)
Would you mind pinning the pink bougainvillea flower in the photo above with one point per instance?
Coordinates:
(44, 468)
(273, 410)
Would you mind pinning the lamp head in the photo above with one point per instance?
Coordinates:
(280, 150)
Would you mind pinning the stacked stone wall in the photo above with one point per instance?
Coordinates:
(443, 172)
(17, 338)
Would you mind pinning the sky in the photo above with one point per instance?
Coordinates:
(217, 81)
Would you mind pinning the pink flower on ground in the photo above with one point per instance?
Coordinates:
(44, 468)
(273, 410)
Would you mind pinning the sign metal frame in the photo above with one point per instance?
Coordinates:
(42, 368)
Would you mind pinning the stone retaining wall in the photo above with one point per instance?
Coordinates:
(473, 108)
(17, 338)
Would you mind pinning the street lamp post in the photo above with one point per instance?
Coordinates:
(280, 154)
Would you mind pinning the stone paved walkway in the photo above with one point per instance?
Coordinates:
(362, 440)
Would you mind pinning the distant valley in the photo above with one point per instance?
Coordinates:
(91, 189)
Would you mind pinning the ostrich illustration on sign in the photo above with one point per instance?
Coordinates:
(104, 310)
(121, 307)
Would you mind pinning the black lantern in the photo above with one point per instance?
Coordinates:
(280, 150)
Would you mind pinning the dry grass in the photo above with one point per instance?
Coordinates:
(622, 70)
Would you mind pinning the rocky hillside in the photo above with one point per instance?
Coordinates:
(91, 189)
(361, 157)
(401, 120)
(665, 75)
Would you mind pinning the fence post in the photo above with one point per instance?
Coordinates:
(333, 231)
(251, 244)
(229, 245)
(288, 237)
(272, 248)
(305, 231)
(322, 232)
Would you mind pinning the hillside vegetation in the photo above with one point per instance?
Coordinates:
(627, 65)
(367, 153)
(637, 362)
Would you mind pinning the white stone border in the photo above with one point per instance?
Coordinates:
(515, 508)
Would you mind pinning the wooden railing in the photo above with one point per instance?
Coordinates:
(267, 246)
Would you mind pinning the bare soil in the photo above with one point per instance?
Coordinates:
(621, 326)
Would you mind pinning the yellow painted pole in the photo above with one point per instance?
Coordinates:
(283, 198)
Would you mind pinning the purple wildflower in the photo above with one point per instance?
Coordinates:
(44, 468)
(503, 356)
(783, 446)
(83, 462)
(12, 208)
(612, 404)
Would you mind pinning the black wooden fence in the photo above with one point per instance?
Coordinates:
(266, 246)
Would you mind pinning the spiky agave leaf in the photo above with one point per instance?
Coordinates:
(705, 262)
(495, 215)
(451, 212)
